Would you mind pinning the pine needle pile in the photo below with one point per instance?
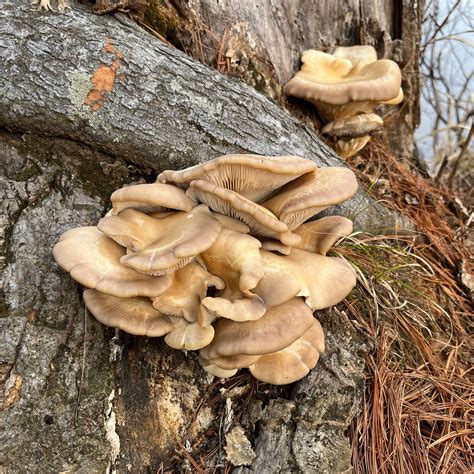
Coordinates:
(417, 412)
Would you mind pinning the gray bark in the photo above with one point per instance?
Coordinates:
(76, 396)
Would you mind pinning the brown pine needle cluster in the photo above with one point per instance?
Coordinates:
(418, 408)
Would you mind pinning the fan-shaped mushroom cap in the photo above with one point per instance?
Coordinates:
(246, 308)
(320, 235)
(189, 336)
(312, 193)
(231, 223)
(150, 198)
(277, 246)
(275, 330)
(260, 220)
(235, 258)
(293, 362)
(348, 148)
(178, 239)
(133, 315)
(323, 281)
(132, 229)
(215, 370)
(359, 56)
(238, 361)
(184, 296)
(333, 80)
(93, 260)
(252, 176)
(356, 126)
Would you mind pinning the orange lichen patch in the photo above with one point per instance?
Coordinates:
(12, 392)
(104, 78)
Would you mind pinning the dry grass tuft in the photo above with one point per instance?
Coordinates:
(417, 413)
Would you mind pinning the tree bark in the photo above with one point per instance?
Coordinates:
(88, 104)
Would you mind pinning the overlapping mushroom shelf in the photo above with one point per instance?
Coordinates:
(346, 87)
(217, 258)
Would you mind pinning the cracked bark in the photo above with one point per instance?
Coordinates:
(63, 151)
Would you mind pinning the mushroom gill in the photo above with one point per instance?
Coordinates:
(226, 266)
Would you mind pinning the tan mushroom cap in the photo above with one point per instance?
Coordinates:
(246, 308)
(275, 330)
(356, 126)
(312, 193)
(359, 55)
(320, 235)
(132, 229)
(150, 198)
(277, 246)
(252, 176)
(231, 223)
(215, 370)
(235, 258)
(133, 315)
(332, 80)
(189, 336)
(348, 148)
(322, 281)
(292, 363)
(189, 287)
(93, 260)
(179, 238)
(238, 361)
(260, 220)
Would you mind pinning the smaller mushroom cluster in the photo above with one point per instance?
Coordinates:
(346, 87)
(217, 258)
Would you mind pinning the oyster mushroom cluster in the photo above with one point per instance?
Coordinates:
(217, 258)
(346, 87)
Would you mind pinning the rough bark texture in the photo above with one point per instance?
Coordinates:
(89, 104)
(261, 43)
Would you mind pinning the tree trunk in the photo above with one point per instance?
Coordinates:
(88, 104)
(261, 44)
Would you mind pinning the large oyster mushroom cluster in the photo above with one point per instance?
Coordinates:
(346, 87)
(217, 257)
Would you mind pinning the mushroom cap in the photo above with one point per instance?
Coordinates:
(253, 176)
(320, 235)
(178, 239)
(150, 198)
(293, 362)
(231, 223)
(238, 361)
(275, 330)
(235, 258)
(334, 80)
(260, 220)
(322, 281)
(276, 246)
(312, 193)
(247, 308)
(348, 148)
(355, 126)
(93, 260)
(215, 370)
(359, 55)
(133, 315)
(184, 296)
(132, 229)
(189, 336)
